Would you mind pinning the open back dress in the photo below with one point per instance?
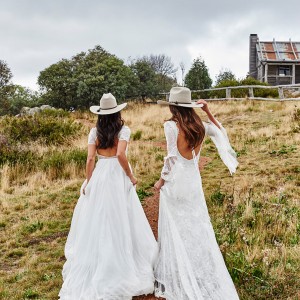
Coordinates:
(190, 265)
(110, 249)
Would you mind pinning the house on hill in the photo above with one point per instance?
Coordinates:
(277, 63)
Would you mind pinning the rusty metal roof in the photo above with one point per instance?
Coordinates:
(278, 51)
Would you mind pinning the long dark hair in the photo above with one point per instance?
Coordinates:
(190, 123)
(108, 128)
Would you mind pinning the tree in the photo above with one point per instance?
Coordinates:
(5, 87)
(225, 75)
(81, 80)
(163, 68)
(146, 84)
(20, 97)
(198, 77)
(5, 74)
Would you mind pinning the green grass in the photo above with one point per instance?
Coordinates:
(255, 213)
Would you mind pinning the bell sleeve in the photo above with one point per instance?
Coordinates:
(168, 170)
(221, 141)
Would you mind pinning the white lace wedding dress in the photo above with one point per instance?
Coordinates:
(190, 265)
(110, 249)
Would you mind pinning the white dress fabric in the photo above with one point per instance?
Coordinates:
(190, 265)
(110, 250)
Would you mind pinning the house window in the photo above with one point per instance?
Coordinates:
(284, 71)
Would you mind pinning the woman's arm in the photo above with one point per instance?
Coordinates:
(90, 163)
(206, 109)
(121, 155)
(167, 172)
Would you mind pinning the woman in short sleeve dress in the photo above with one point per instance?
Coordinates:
(110, 249)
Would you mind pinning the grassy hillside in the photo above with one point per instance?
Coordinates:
(255, 213)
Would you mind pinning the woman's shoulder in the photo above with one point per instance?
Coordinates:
(92, 136)
(125, 128)
(170, 124)
(124, 133)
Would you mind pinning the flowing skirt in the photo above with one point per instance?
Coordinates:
(190, 265)
(110, 249)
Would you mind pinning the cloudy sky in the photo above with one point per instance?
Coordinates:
(35, 34)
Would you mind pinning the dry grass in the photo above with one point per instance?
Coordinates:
(255, 213)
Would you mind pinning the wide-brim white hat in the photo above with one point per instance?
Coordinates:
(108, 105)
(180, 96)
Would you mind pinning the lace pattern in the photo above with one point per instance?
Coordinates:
(190, 265)
(220, 139)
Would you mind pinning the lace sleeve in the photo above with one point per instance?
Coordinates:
(92, 136)
(220, 139)
(124, 134)
(170, 160)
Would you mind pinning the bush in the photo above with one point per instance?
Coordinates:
(243, 93)
(137, 135)
(263, 93)
(222, 93)
(13, 154)
(49, 127)
(57, 162)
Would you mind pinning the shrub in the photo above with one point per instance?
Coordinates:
(31, 294)
(137, 135)
(14, 154)
(222, 93)
(47, 127)
(243, 93)
(217, 197)
(56, 162)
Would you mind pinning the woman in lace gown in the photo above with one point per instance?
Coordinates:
(190, 265)
(110, 249)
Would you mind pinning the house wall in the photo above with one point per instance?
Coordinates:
(260, 72)
(275, 79)
(253, 55)
(297, 77)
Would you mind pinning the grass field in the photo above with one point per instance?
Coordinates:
(255, 213)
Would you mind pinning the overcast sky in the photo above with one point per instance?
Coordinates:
(35, 34)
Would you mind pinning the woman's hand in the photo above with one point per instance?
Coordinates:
(83, 190)
(133, 179)
(205, 105)
(158, 185)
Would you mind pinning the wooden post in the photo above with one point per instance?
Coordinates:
(293, 74)
(251, 93)
(266, 73)
(280, 92)
(228, 93)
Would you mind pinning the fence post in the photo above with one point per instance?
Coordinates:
(228, 93)
(280, 92)
(251, 93)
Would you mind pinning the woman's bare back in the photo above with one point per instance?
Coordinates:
(108, 151)
(183, 146)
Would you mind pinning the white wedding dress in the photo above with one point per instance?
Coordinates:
(190, 265)
(110, 250)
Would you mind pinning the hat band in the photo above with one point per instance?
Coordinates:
(106, 108)
(176, 102)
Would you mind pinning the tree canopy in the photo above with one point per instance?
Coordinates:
(225, 75)
(81, 80)
(198, 77)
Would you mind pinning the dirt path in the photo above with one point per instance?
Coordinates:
(151, 210)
